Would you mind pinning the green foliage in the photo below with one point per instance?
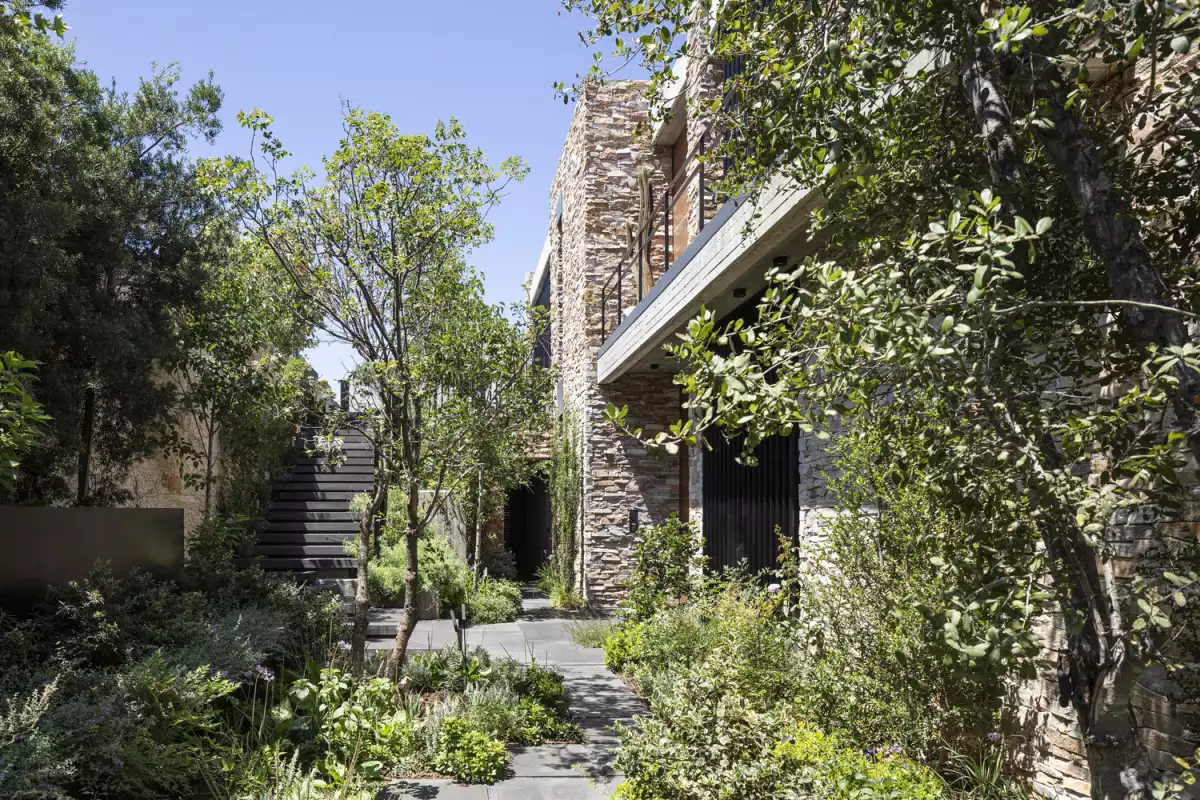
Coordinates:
(739, 663)
(468, 754)
(866, 620)
(21, 416)
(131, 687)
(21, 18)
(502, 712)
(378, 247)
(591, 633)
(440, 568)
(566, 490)
(490, 601)
(1008, 244)
(104, 242)
(242, 385)
(550, 582)
(354, 728)
(666, 565)
(827, 767)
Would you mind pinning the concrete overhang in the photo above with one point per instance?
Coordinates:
(727, 262)
(534, 280)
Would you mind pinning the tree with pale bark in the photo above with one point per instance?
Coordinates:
(377, 253)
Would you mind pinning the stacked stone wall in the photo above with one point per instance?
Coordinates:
(597, 186)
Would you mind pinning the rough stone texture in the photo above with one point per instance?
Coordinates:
(1053, 755)
(157, 482)
(597, 185)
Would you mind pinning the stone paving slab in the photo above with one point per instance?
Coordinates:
(551, 789)
(430, 634)
(432, 790)
(551, 761)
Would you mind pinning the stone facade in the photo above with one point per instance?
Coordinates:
(594, 199)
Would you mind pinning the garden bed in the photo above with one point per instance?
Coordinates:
(231, 684)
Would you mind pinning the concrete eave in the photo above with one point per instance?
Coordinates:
(737, 243)
(539, 273)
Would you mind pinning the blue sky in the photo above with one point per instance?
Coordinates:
(490, 63)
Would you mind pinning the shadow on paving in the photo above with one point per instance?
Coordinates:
(597, 700)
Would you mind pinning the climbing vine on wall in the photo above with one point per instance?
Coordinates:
(565, 493)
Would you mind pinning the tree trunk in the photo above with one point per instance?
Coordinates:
(362, 598)
(83, 487)
(1114, 233)
(412, 583)
(994, 121)
(478, 560)
(208, 471)
(1101, 671)
(1102, 674)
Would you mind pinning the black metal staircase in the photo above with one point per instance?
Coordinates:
(309, 519)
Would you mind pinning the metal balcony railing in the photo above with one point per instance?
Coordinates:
(661, 237)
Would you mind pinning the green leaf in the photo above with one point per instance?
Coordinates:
(1135, 48)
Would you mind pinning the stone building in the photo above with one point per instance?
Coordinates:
(637, 244)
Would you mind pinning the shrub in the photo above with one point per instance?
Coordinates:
(545, 686)
(144, 678)
(216, 543)
(497, 560)
(706, 740)
(356, 728)
(440, 569)
(447, 669)
(829, 768)
(591, 633)
(550, 583)
(703, 741)
(468, 754)
(142, 732)
(491, 601)
(666, 564)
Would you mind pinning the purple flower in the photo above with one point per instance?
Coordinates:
(774, 588)
(836, 724)
(343, 645)
(994, 736)
(259, 673)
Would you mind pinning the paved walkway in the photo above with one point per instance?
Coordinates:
(597, 700)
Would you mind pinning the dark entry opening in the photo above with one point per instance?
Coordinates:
(744, 505)
(527, 527)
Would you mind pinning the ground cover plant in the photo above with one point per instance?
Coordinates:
(798, 683)
(229, 683)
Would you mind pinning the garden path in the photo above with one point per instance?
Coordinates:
(597, 700)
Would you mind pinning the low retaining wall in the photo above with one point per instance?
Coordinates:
(44, 545)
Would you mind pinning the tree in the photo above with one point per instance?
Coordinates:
(21, 416)
(376, 253)
(241, 366)
(1010, 223)
(102, 246)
